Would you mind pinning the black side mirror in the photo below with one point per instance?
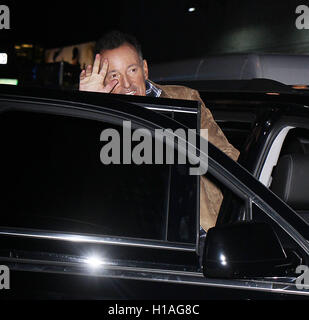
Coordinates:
(245, 249)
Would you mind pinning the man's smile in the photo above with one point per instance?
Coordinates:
(131, 92)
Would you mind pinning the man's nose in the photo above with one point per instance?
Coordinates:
(126, 82)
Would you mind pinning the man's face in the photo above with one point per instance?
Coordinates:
(125, 65)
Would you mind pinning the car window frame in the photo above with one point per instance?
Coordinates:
(113, 116)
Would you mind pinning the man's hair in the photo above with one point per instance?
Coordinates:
(114, 39)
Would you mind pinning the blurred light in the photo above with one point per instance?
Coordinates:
(192, 9)
(27, 45)
(300, 87)
(273, 93)
(13, 82)
(3, 58)
(223, 259)
(94, 261)
(17, 47)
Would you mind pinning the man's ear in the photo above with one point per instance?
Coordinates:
(145, 67)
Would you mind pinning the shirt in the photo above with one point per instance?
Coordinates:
(151, 90)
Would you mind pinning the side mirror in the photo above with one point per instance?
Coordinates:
(245, 249)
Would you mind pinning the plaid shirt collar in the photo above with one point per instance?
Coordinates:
(151, 90)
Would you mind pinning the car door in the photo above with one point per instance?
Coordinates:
(74, 228)
(67, 214)
(248, 202)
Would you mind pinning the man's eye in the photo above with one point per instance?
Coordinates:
(113, 76)
(134, 70)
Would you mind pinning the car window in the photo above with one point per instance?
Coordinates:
(236, 207)
(53, 179)
(232, 208)
(235, 120)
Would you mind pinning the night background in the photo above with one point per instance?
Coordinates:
(74, 227)
(168, 30)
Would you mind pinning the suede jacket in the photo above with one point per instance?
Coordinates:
(210, 195)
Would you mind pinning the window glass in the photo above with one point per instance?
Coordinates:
(231, 208)
(53, 179)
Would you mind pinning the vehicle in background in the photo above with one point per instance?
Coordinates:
(287, 69)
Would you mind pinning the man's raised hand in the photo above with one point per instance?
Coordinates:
(92, 79)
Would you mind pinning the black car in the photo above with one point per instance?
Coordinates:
(74, 228)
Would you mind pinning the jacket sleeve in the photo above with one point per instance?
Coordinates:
(210, 195)
(215, 134)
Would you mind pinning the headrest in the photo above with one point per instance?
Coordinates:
(291, 180)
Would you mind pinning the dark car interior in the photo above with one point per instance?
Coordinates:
(291, 175)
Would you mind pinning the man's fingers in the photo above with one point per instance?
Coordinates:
(89, 70)
(104, 68)
(96, 64)
(82, 75)
(110, 86)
